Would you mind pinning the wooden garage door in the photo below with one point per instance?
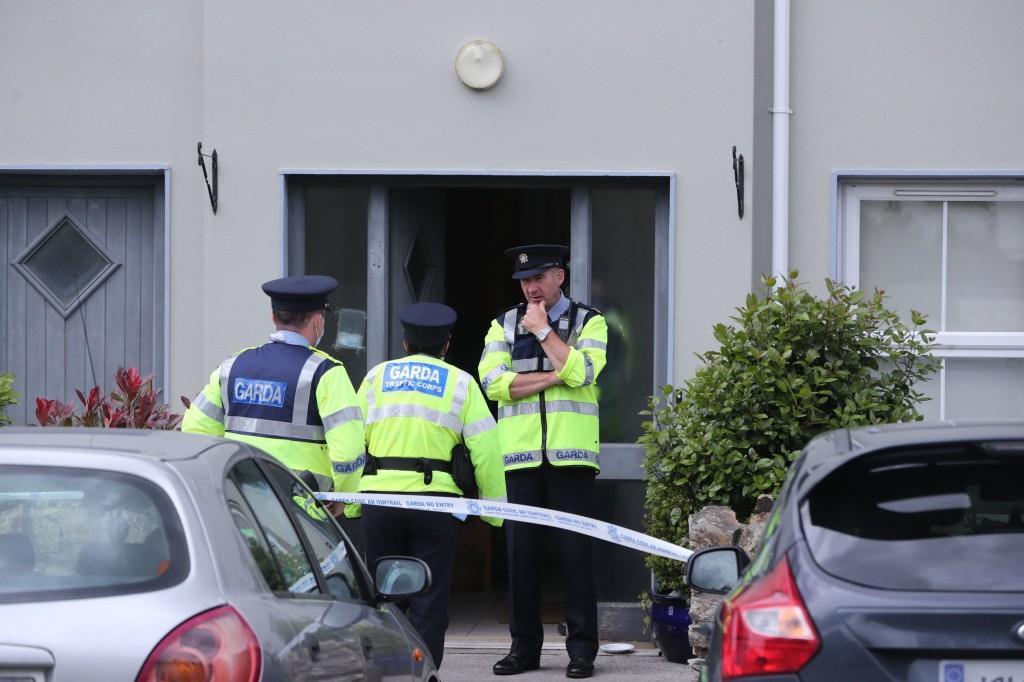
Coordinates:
(82, 290)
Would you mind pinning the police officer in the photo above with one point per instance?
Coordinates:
(540, 363)
(286, 397)
(416, 410)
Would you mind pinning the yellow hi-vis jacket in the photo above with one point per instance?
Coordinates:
(421, 407)
(294, 402)
(561, 423)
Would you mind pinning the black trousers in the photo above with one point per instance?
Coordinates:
(567, 489)
(430, 536)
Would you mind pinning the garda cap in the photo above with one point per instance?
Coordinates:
(427, 324)
(535, 259)
(300, 294)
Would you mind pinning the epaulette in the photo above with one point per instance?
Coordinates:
(327, 355)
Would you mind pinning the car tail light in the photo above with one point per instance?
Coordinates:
(766, 629)
(215, 645)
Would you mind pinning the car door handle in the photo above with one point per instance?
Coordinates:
(314, 648)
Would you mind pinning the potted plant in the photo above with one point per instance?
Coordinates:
(8, 396)
(790, 366)
(134, 404)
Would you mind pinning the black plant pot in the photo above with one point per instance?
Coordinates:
(670, 621)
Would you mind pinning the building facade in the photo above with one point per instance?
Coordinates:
(680, 147)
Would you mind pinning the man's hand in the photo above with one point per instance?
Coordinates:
(335, 507)
(536, 317)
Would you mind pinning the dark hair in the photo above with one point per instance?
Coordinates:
(288, 318)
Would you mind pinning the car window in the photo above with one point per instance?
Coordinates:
(268, 531)
(922, 519)
(68, 533)
(322, 534)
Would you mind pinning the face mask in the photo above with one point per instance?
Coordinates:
(320, 335)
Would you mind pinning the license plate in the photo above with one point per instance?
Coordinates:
(981, 671)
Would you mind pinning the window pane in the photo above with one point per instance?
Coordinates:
(901, 254)
(336, 246)
(622, 288)
(984, 388)
(985, 266)
(323, 536)
(283, 541)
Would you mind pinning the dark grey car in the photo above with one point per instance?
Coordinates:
(892, 553)
(156, 555)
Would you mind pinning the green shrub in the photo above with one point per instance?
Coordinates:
(791, 366)
(134, 404)
(8, 396)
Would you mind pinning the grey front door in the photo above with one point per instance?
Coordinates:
(82, 284)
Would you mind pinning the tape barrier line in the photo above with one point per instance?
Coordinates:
(601, 530)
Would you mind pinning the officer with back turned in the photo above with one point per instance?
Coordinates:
(417, 409)
(286, 397)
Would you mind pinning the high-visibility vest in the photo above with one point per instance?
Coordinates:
(560, 424)
(418, 408)
(294, 402)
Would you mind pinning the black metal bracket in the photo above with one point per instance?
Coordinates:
(737, 174)
(212, 191)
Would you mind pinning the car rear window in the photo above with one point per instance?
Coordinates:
(77, 533)
(943, 518)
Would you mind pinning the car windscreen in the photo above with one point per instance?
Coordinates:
(937, 518)
(70, 533)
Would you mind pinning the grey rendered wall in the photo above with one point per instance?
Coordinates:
(914, 84)
(115, 84)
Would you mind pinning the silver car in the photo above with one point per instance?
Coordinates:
(156, 555)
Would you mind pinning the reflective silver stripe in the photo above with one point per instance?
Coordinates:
(526, 365)
(588, 368)
(479, 426)
(574, 406)
(419, 411)
(225, 390)
(303, 387)
(209, 408)
(496, 347)
(494, 374)
(550, 407)
(516, 458)
(459, 398)
(371, 394)
(572, 456)
(577, 327)
(592, 343)
(510, 326)
(341, 417)
(258, 427)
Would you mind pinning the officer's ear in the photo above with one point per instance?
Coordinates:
(405, 345)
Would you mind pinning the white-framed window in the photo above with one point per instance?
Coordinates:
(953, 250)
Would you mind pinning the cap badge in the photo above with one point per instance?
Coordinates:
(523, 258)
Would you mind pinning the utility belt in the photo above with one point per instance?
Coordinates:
(459, 467)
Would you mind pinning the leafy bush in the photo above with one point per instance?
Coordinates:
(132, 405)
(791, 366)
(8, 396)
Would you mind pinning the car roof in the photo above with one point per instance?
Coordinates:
(144, 443)
(829, 450)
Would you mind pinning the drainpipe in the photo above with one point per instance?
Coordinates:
(780, 112)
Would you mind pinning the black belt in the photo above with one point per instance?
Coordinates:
(425, 465)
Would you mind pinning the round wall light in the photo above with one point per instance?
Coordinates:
(479, 64)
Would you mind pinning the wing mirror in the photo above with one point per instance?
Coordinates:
(716, 569)
(399, 577)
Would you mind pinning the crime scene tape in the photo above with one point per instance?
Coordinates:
(601, 530)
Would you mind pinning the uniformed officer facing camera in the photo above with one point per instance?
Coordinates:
(286, 397)
(417, 409)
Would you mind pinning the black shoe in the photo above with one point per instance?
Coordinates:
(516, 663)
(579, 667)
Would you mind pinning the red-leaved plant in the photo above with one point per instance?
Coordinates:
(133, 405)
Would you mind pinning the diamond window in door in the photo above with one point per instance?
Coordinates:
(418, 267)
(65, 264)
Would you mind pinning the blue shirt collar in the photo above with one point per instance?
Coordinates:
(289, 337)
(559, 308)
